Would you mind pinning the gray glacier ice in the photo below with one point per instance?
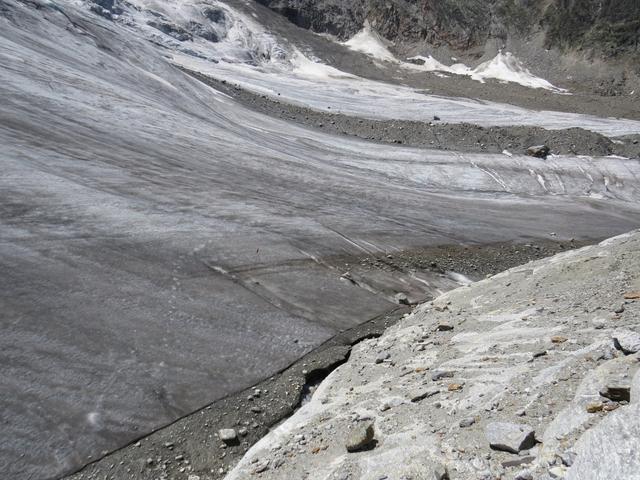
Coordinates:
(162, 246)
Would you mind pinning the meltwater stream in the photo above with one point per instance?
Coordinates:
(162, 246)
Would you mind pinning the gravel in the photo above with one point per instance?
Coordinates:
(462, 137)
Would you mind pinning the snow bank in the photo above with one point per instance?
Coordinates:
(504, 67)
(306, 67)
(368, 41)
(507, 68)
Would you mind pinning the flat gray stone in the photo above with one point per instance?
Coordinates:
(518, 461)
(510, 437)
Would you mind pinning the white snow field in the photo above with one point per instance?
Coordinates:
(504, 67)
(162, 246)
(249, 55)
(367, 41)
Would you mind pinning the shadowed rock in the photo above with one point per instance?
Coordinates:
(510, 437)
(627, 341)
(360, 437)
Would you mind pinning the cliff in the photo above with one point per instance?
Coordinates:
(609, 27)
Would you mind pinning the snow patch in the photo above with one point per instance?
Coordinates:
(430, 64)
(306, 67)
(507, 68)
(369, 42)
(504, 67)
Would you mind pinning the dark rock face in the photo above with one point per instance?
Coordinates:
(606, 27)
(106, 8)
(341, 18)
(106, 4)
(611, 26)
(173, 30)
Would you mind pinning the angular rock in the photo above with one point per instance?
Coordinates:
(557, 472)
(382, 357)
(444, 327)
(539, 151)
(402, 299)
(360, 437)
(617, 393)
(228, 436)
(627, 341)
(422, 393)
(510, 437)
(594, 407)
(467, 422)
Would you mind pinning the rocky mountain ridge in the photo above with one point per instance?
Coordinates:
(567, 40)
(608, 27)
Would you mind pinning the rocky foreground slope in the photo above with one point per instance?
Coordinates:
(530, 374)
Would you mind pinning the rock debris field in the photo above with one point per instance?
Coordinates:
(529, 374)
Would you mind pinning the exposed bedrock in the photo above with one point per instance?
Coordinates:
(525, 381)
(609, 27)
